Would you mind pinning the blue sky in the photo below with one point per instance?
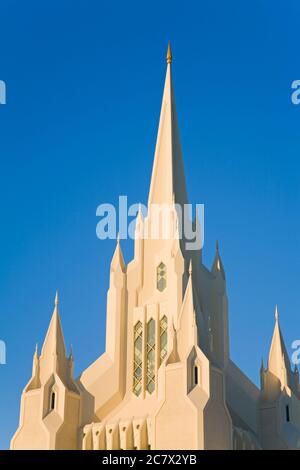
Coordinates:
(84, 85)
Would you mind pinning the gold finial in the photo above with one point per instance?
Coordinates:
(169, 54)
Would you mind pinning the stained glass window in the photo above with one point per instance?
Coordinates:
(138, 358)
(161, 277)
(151, 356)
(163, 338)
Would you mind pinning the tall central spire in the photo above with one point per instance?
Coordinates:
(168, 181)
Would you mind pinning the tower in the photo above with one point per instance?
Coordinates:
(166, 379)
(158, 361)
(51, 401)
(279, 398)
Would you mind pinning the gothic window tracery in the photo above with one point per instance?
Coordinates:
(144, 353)
(138, 358)
(163, 338)
(151, 356)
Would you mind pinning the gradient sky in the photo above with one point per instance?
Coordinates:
(84, 86)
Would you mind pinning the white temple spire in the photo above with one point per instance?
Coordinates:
(168, 180)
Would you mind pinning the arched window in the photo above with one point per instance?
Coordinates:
(161, 277)
(163, 338)
(138, 358)
(52, 400)
(196, 375)
(151, 355)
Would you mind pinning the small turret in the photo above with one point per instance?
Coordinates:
(35, 362)
(117, 262)
(35, 379)
(187, 326)
(278, 397)
(262, 374)
(217, 267)
(278, 361)
(296, 381)
(71, 361)
(51, 415)
(218, 318)
(139, 235)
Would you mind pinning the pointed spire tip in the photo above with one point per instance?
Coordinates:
(169, 54)
(56, 299)
(276, 313)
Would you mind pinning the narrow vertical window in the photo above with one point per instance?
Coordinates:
(287, 413)
(138, 358)
(151, 355)
(196, 377)
(52, 401)
(161, 277)
(163, 338)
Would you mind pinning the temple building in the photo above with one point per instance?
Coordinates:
(166, 379)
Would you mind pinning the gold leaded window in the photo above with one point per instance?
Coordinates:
(151, 355)
(138, 358)
(161, 277)
(163, 338)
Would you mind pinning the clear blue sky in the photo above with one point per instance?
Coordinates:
(84, 86)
